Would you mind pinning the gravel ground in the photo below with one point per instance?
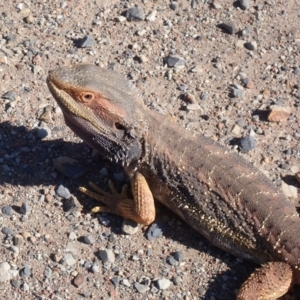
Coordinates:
(229, 70)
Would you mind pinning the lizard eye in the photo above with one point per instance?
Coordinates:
(87, 97)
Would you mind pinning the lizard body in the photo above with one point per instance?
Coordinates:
(213, 189)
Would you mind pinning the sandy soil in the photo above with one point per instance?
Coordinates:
(50, 245)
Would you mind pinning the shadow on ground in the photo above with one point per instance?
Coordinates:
(25, 160)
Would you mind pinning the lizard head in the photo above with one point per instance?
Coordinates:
(100, 107)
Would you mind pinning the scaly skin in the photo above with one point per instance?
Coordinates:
(213, 189)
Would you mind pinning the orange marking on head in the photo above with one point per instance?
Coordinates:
(109, 106)
(98, 103)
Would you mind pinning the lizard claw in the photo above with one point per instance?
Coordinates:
(109, 199)
(112, 188)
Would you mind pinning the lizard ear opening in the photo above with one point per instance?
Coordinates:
(87, 97)
(119, 126)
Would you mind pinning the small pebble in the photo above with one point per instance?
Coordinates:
(297, 71)
(103, 219)
(87, 264)
(289, 190)
(126, 282)
(173, 6)
(247, 143)
(173, 61)
(7, 210)
(203, 96)
(178, 255)
(43, 132)
(7, 231)
(141, 288)
(120, 19)
(18, 240)
(29, 19)
(46, 117)
(171, 260)
(135, 14)
(229, 27)
(15, 283)
(79, 280)
(5, 274)
(250, 85)
(190, 98)
(130, 227)
(216, 5)
(266, 93)
(11, 95)
(4, 60)
(88, 239)
(25, 209)
(95, 268)
(141, 32)
(252, 46)
(85, 42)
(163, 283)
(72, 236)
(25, 272)
(154, 232)
(69, 204)
(197, 69)
(72, 247)
(245, 4)
(63, 192)
(278, 114)
(236, 130)
(177, 280)
(115, 281)
(152, 16)
(24, 287)
(48, 272)
(106, 255)
(241, 122)
(15, 250)
(143, 59)
(240, 43)
(68, 259)
(194, 106)
(237, 93)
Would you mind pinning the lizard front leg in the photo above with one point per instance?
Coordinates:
(140, 209)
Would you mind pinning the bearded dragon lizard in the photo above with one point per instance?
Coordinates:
(215, 190)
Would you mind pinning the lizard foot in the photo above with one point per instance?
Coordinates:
(269, 282)
(109, 199)
(140, 209)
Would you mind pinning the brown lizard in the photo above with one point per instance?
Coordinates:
(212, 188)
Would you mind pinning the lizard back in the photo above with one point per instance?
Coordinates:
(221, 195)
